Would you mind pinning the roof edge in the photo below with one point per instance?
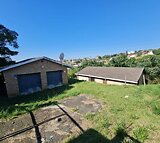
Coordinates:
(30, 61)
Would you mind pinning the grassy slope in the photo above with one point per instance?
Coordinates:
(138, 109)
(141, 108)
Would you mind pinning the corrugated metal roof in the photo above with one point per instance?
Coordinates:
(27, 61)
(127, 74)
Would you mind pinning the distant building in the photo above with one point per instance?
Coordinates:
(132, 55)
(149, 53)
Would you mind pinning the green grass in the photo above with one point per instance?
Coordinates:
(135, 117)
(141, 134)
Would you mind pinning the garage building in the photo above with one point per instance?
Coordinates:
(32, 75)
(113, 75)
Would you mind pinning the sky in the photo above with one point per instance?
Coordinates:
(81, 28)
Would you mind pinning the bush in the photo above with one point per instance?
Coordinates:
(72, 72)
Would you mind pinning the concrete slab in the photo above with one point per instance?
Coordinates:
(82, 104)
(47, 128)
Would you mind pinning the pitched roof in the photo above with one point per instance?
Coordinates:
(127, 74)
(27, 61)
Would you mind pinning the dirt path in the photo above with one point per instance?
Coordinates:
(51, 124)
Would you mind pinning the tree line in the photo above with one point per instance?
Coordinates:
(151, 64)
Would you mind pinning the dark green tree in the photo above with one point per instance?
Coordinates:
(151, 63)
(131, 62)
(8, 40)
(156, 51)
(119, 61)
(91, 63)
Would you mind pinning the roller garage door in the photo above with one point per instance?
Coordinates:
(29, 83)
(54, 78)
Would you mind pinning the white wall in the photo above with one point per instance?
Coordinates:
(83, 78)
(117, 83)
(103, 81)
(98, 80)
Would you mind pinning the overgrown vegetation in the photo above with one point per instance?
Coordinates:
(84, 64)
(151, 63)
(141, 134)
(134, 117)
(156, 51)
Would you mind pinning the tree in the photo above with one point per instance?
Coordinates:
(91, 63)
(8, 40)
(156, 51)
(131, 62)
(4, 62)
(99, 57)
(119, 61)
(151, 63)
(72, 72)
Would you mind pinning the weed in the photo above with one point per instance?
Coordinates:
(141, 134)
(116, 110)
(89, 116)
(156, 106)
(120, 129)
(134, 117)
(103, 122)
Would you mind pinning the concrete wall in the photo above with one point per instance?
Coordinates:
(41, 66)
(83, 78)
(99, 80)
(103, 81)
(118, 83)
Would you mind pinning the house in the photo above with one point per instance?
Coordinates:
(147, 53)
(112, 75)
(132, 55)
(32, 75)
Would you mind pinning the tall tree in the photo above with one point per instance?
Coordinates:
(8, 40)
